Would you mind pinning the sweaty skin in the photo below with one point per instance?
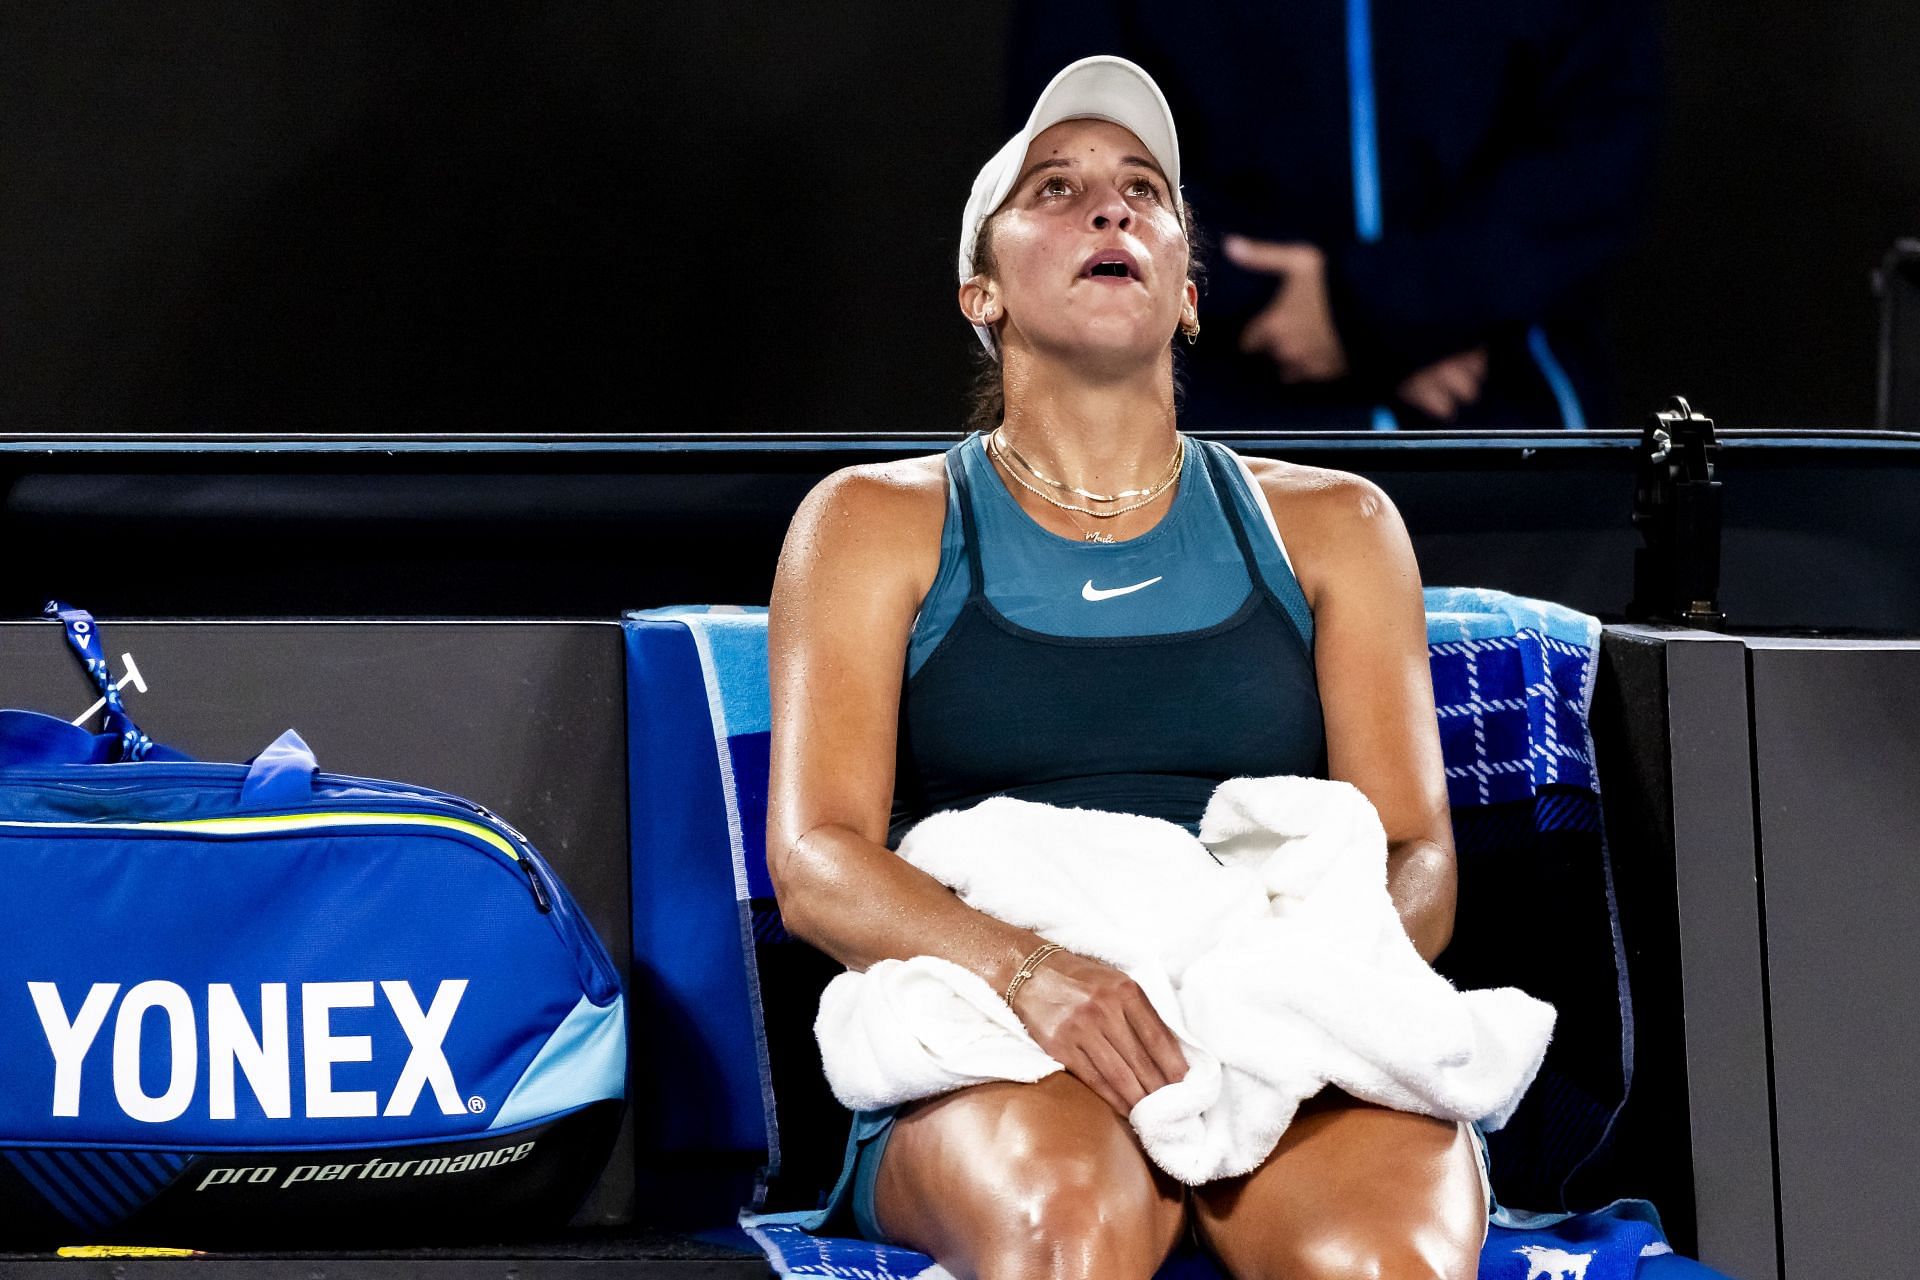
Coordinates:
(1007, 1181)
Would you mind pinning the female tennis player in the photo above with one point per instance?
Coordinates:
(1085, 607)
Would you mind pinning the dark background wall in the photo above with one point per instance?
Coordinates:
(1791, 163)
(740, 215)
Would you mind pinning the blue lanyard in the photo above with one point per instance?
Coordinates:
(84, 636)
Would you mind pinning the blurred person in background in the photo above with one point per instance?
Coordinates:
(1414, 206)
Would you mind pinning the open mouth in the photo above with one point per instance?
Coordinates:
(1111, 264)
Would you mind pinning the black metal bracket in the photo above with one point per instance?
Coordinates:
(1676, 508)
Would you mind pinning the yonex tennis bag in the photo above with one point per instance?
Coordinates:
(260, 1002)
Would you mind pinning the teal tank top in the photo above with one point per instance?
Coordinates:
(1050, 583)
(1132, 676)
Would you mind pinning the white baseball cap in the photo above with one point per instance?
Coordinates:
(1102, 87)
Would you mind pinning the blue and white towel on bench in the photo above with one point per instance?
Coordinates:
(1513, 683)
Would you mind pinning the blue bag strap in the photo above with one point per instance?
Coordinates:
(83, 634)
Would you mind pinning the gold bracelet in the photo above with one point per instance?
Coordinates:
(1027, 967)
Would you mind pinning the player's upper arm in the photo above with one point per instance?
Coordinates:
(854, 566)
(1370, 658)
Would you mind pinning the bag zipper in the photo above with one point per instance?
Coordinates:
(506, 841)
(196, 771)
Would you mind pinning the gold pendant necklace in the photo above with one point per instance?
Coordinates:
(1090, 535)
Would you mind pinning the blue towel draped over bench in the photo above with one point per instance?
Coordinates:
(730, 1100)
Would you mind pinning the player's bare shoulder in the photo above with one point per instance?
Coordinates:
(1318, 493)
(879, 521)
(1322, 514)
(1280, 478)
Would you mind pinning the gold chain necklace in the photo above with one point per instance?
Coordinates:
(1092, 535)
(1007, 449)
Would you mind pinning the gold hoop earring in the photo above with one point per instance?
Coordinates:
(1192, 330)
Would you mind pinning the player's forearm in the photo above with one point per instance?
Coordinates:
(859, 902)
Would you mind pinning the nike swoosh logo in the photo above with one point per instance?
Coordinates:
(1091, 592)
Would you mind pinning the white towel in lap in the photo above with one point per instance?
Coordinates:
(1277, 959)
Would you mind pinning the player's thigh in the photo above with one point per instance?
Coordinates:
(1353, 1189)
(993, 1174)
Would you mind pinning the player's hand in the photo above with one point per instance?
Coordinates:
(1097, 1023)
(1447, 386)
(1295, 330)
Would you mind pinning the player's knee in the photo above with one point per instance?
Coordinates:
(1077, 1216)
